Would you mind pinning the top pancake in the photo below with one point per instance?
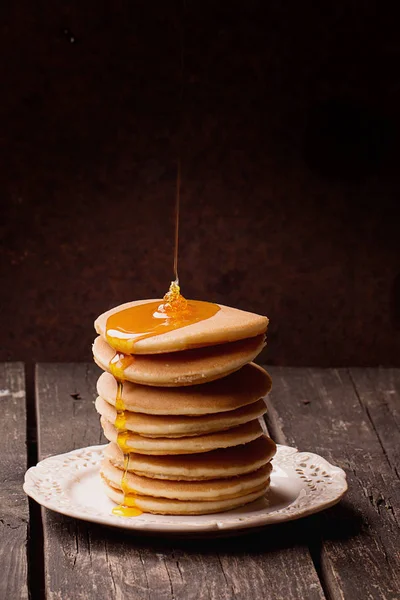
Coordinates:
(227, 325)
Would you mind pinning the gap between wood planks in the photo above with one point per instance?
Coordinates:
(36, 583)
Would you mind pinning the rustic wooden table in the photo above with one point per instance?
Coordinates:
(352, 551)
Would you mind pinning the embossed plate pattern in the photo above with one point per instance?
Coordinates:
(302, 483)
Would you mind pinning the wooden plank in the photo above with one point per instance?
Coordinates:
(14, 510)
(379, 393)
(319, 410)
(83, 561)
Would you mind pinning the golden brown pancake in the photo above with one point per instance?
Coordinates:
(241, 388)
(190, 367)
(216, 464)
(181, 426)
(227, 325)
(165, 506)
(204, 491)
(185, 445)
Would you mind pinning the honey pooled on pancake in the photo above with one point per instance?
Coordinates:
(117, 368)
(128, 326)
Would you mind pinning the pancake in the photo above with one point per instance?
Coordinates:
(181, 426)
(184, 445)
(227, 325)
(217, 464)
(203, 491)
(164, 506)
(241, 388)
(190, 367)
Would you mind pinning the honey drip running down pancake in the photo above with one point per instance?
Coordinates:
(123, 510)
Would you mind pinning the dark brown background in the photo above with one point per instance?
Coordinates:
(290, 170)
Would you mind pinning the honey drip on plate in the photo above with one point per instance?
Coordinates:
(126, 511)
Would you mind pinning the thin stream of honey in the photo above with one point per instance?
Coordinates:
(177, 206)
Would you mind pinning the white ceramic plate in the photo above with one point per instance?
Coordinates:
(302, 483)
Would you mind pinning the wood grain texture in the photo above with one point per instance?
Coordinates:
(378, 391)
(322, 411)
(13, 502)
(84, 561)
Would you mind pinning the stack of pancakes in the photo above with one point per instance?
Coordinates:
(184, 430)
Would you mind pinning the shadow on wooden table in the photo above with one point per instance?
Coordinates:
(340, 523)
(103, 563)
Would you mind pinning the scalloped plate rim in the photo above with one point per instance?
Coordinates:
(287, 456)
